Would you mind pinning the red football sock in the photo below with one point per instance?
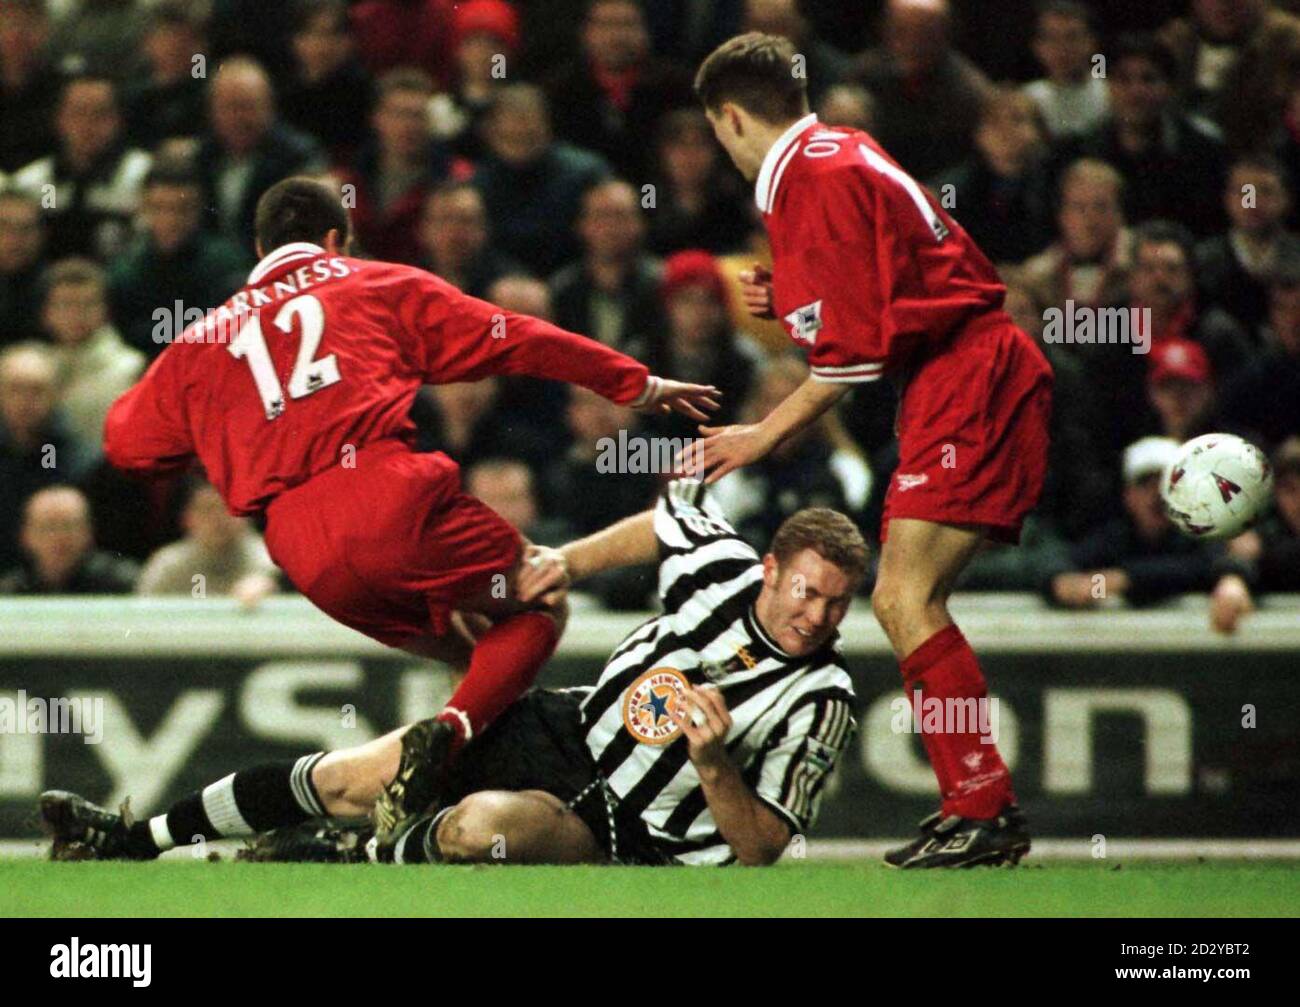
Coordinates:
(973, 780)
(505, 661)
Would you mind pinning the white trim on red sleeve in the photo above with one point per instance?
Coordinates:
(852, 373)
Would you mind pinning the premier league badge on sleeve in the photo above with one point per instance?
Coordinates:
(805, 322)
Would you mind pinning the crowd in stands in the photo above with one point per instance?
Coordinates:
(548, 155)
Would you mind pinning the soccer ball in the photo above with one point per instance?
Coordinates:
(1217, 486)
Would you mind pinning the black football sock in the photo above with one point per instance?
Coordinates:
(242, 804)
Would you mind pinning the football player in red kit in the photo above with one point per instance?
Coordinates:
(872, 278)
(294, 396)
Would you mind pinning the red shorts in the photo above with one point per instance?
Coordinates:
(391, 546)
(973, 432)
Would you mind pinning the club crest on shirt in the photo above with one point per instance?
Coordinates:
(647, 703)
(805, 322)
(716, 671)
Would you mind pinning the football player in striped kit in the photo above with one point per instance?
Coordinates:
(707, 739)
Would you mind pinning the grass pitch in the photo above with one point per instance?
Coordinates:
(1104, 888)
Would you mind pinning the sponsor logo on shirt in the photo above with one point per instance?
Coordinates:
(805, 322)
(907, 481)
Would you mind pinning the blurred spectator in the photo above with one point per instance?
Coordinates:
(1267, 557)
(1139, 557)
(701, 345)
(1173, 165)
(1230, 55)
(506, 485)
(462, 421)
(610, 97)
(486, 34)
(534, 403)
(171, 99)
(928, 95)
(247, 150)
(94, 178)
(849, 105)
(454, 239)
(404, 33)
(100, 36)
(1279, 556)
(59, 554)
(36, 447)
(22, 244)
(823, 62)
(29, 85)
(1265, 396)
(1090, 259)
(1180, 389)
(328, 95)
(174, 266)
(612, 292)
(1001, 194)
(94, 365)
(1072, 97)
(219, 556)
(575, 490)
(1162, 280)
(808, 469)
(1234, 268)
(699, 200)
(532, 185)
(396, 171)
(1081, 481)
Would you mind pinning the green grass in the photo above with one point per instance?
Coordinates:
(39, 888)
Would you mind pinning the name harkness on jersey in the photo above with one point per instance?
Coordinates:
(792, 716)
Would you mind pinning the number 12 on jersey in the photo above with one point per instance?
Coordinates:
(309, 374)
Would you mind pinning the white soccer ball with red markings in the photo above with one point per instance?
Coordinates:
(1217, 486)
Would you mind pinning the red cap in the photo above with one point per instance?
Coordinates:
(1179, 359)
(492, 17)
(693, 268)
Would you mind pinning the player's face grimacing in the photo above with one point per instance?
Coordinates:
(803, 600)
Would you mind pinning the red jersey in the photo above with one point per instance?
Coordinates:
(318, 354)
(867, 267)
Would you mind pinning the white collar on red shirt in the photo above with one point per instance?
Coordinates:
(282, 256)
(769, 175)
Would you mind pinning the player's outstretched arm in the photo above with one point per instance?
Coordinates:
(727, 448)
(462, 338)
(630, 542)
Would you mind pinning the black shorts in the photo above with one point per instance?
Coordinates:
(539, 744)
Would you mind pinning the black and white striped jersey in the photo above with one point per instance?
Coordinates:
(792, 717)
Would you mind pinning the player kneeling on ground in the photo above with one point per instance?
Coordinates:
(706, 739)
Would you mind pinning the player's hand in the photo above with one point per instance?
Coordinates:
(664, 396)
(1229, 604)
(543, 576)
(725, 449)
(756, 291)
(702, 715)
